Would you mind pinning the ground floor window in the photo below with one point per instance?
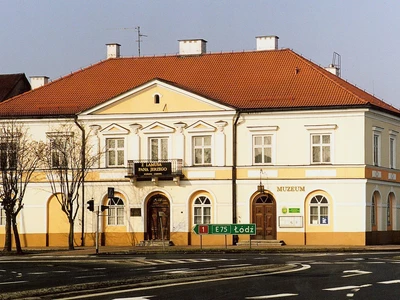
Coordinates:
(319, 210)
(2, 215)
(202, 210)
(116, 211)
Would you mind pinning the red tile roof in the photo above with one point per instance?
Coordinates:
(276, 79)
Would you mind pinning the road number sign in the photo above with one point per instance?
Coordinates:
(225, 229)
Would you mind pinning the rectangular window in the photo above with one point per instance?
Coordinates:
(392, 152)
(115, 152)
(321, 148)
(2, 215)
(158, 149)
(202, 150)
(202, 215)
(59, 153)
(377, 149)
(8, 155)
(262, 149)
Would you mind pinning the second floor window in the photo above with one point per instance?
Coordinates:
(321, 148)
(2, 215)
(59, 152)
(392, 152)
(262, 149)
(8, 155)
(202, 150)
(377, 149)
(159, 148)
(115, 152)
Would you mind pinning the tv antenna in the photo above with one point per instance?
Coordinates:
(139, 35)
(139, 40)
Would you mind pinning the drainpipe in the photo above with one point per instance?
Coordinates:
(83, 166)
(234, 173)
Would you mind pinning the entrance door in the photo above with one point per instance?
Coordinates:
(158, 218)
(264, 216)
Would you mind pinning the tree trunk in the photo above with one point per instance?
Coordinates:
(71, 235)
(16, 236)
(7, 240)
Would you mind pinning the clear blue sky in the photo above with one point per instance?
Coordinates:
(57, 37)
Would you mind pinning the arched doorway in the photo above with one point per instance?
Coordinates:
(158, 212)
(57, 224)
(264, 216)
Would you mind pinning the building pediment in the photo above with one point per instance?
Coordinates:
(156, 96)
(114, 129)
(157, 128)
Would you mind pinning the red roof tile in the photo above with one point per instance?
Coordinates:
(244, 80)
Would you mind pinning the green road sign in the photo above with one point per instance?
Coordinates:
(225, 229)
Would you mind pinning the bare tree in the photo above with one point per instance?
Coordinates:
(19, 158)
(67, 161)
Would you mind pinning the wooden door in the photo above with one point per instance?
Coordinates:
(158, 218)
(264, 216)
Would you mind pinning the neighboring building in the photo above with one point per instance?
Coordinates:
(264, 137)
(12, 85)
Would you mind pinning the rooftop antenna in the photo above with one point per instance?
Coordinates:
(337, 63)
(137, 28)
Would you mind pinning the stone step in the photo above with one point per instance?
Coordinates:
(262, 243)
(155, 243)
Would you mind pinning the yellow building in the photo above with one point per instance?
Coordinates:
(261, 137)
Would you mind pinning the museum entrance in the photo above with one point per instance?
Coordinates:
(264, 216)
(158, 212)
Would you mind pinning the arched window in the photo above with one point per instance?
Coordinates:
(202, 210)
(116, 211)
(373, 211)
(156, 98)
(389, 215)
(319, 210)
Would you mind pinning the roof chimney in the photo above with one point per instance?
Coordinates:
(333, 69)
(192, 47)
(267, 42)
(38, 81)
(113, 50)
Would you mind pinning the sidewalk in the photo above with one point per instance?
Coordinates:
(132, 250)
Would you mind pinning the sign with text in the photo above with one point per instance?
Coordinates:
(225, 229)
(153, 168)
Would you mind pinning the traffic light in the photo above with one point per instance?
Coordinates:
(90, 204)
(103, 207)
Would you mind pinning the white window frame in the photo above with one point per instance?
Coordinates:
(319, 206)
(116, 149)
(159, 154)
(392, 148)
(257, 131)
(376, 145)
(202, 207)
(202, 147)
(263, 148)
(199, 129)
(321, 130)
(116, 212)
(57, 137)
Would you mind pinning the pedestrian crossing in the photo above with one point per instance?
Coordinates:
(144, 262)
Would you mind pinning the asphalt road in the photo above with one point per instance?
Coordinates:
(206, 276)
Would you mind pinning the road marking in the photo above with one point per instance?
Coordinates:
(303, 267)
(272, 296)
(349, 287)
(12, 282)
(233, 266)
(390, 281)
(136, 298)
(356, 273)
(90, 276)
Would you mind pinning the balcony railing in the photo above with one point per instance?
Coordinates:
(150, 168)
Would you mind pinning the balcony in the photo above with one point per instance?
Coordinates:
(146, 169)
